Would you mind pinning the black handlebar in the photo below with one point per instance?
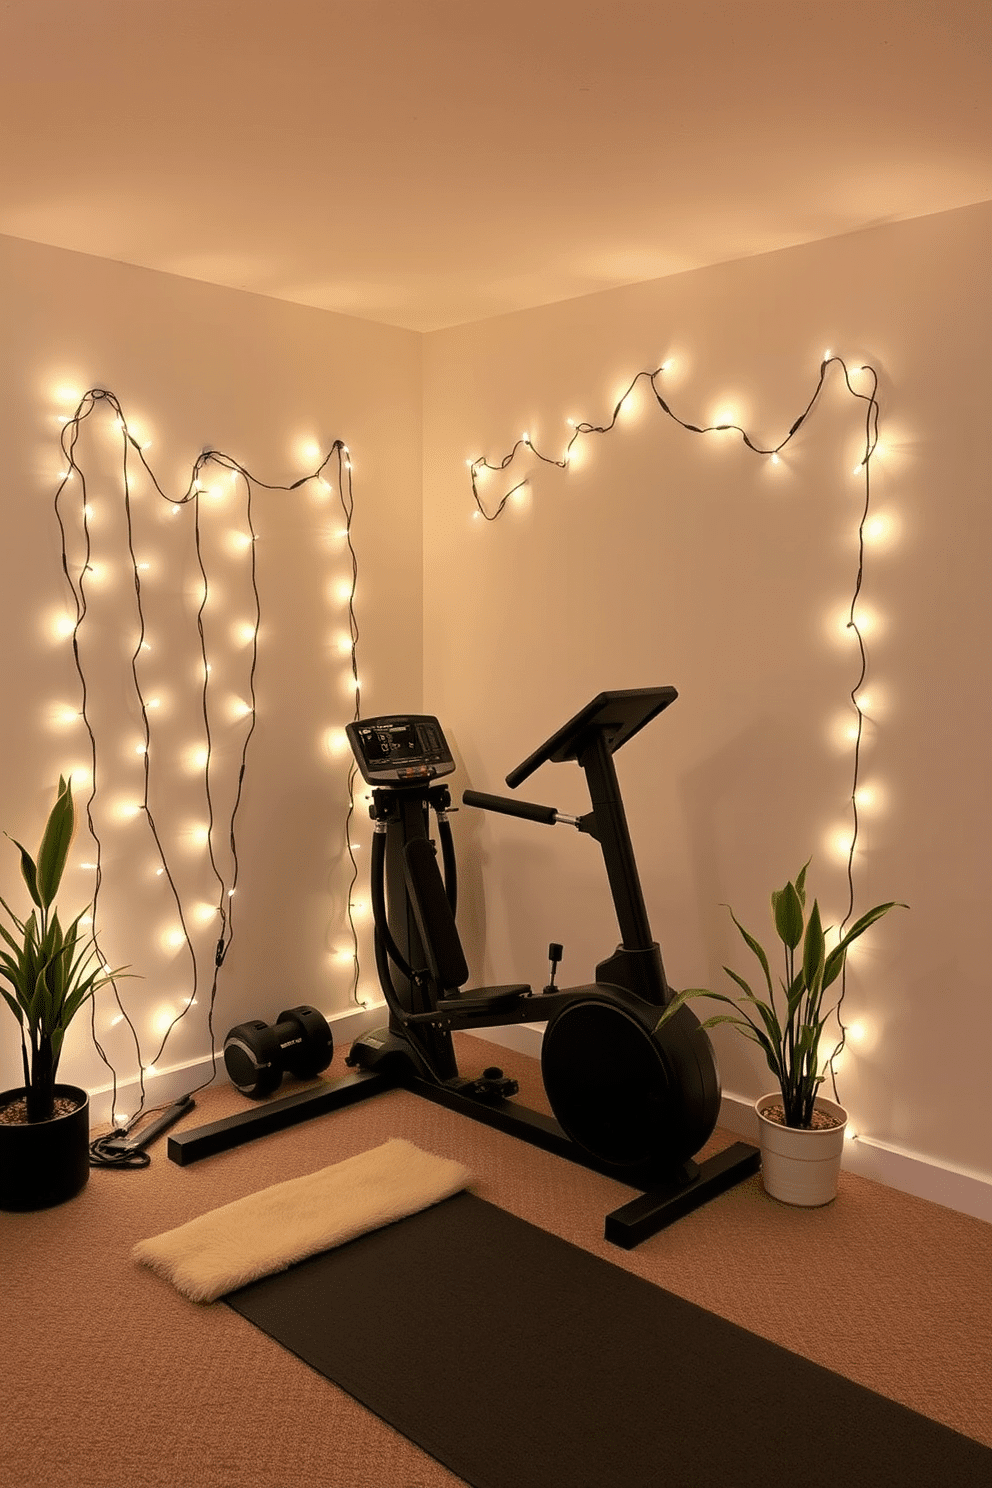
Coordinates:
(530, 810)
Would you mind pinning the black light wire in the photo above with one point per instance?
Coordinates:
(870, 400)
(102, 1151)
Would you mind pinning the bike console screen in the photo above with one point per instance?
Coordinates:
(400, 748)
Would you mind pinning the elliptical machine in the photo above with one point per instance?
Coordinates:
(628, 1100)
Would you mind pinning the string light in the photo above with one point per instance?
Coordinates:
(204, 484)
(856, 621)
(650, 379)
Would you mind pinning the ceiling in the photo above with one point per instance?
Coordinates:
(428, 162)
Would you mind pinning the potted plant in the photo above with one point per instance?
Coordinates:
(801, 1133)
(50, 973)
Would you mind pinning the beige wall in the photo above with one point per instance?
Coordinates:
(665, 557)
(196, 367)
(660, 557)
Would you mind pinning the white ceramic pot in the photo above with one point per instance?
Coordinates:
(798, 1166)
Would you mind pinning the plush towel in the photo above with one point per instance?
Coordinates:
(268, 1231)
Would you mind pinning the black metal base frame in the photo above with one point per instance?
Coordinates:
(664, 1199)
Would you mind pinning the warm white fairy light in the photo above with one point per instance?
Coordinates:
(840, 842)
(61, 626)
(336, 741)
(196, 757)
(214, 479)
(64, 715)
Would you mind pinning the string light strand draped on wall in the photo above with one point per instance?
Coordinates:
(867, 394)
(73, 500)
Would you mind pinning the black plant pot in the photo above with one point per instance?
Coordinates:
(44, 1163)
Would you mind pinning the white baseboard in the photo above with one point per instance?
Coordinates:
(909, 1172)
(954, 1188)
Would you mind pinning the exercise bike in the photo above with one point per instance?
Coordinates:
(628, 1101)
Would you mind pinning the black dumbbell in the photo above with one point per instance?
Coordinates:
(257, 1054)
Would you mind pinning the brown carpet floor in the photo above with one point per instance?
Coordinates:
(111, 1380)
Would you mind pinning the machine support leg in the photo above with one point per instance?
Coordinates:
(660, 1207)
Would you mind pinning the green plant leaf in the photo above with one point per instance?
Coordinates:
(756, 949)
(814, 951)
(806, 1046)
(770, 1021)
(14, 1006)
(29, 872)
(19, 924)
(681, 998)
(751, 1031)
(794, 994)
(787, 909)
(745, 986)
(835, 961)
(868, 919)
(40, 1011)
(55, 844)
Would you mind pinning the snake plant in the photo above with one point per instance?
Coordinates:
(49, 969)
(789, 1033)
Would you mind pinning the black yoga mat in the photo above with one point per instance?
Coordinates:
(521, 1361)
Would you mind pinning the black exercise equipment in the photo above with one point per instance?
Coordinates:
(628, 1100)
(257, 1054)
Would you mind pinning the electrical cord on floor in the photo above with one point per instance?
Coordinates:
(118, 1149)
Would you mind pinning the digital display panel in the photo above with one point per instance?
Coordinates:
(400, 748)
(389, 742)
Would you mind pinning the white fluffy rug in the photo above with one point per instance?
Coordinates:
(268, 1231)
